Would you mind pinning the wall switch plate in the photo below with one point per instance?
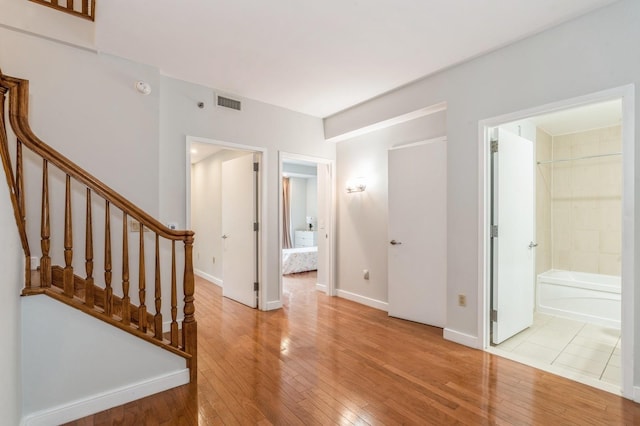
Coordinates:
(365, 274)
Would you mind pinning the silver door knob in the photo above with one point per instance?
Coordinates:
(532, 245)
(395, 243)
(225, 236)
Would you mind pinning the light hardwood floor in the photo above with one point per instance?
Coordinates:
(323, 360)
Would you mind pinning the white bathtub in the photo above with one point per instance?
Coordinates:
(581, 296)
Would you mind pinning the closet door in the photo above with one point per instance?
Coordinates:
(417, 251)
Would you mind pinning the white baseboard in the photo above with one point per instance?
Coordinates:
(321, 287)
(461, 338)
(636, 394)
(100, 402)
(372, 303)
(217, 281)
(273, 305)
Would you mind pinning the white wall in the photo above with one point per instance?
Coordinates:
(591, 53)
(70, 357)
(258, 124)
(31, 17)
(11, 265)
(206, 212)
(362, 216)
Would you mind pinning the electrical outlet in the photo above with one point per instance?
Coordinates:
(134, 226)
(462, 300)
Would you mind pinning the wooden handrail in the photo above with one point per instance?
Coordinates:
(61, 282)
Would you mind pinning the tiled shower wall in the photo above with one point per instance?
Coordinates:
(586, 218)
(544, 151)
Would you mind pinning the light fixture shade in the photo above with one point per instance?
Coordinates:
(356, 185)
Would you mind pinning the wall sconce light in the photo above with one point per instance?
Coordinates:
(356, 185)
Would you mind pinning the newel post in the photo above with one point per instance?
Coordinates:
(189, 326)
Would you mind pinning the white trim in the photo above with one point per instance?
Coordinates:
(422, 112)
(425, 142)
(263, 208)
(215, 280)
(103, 401)
(627, 94)
(321, 287)
(273, 305)
(372, 303)
(330, 287)
(461, 338)
(636, 394)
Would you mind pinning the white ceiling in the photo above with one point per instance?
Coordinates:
(317, 57)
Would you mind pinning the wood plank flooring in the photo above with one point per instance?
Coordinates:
(323, 360)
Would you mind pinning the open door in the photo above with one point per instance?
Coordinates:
(512, 235)
(417, 253)
(239, 236)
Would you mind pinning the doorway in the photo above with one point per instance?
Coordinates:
(306, 219)
(556, 272)
(224, 187)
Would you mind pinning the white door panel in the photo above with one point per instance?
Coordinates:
(514, 214)
(418, 225)
(238, 239)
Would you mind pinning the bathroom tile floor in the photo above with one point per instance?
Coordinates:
(576, 349)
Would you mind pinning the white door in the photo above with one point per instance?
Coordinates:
(513, 252)
(238, 235)
(324, 227)
(417, 252)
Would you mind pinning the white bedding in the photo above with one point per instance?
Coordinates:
(299, 260)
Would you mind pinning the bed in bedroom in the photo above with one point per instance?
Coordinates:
(299, 260)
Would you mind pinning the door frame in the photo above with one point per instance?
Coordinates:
(262, 205)
(283, 156)
(627, 95)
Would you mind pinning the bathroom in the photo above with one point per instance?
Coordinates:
(578, 245)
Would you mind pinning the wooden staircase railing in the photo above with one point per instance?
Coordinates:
(109, 302)
(82, 8)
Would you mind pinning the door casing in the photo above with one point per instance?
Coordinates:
(627, 95)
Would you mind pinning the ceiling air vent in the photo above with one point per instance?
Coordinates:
(228, 103)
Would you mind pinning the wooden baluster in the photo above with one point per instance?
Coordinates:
(189, 325)
(88, 249)
(21, 203)
(20, 180)
(108, 291)
(70, 4)
(158, 294)
(142, 294)
(45, 229)
(54, 2)
(174, 297)
(67, 275)
(85, 7)
(126, 300)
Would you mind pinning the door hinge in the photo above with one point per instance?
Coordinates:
(256, 167)
(256, 226)
(494, 231)
(494, 315)
(494, 147)
(256, 286)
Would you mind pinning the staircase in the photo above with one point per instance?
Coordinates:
(122, 296)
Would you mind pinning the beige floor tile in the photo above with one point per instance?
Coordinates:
(536, 352)
(588, 353)
(612, 375)
(588, 366)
